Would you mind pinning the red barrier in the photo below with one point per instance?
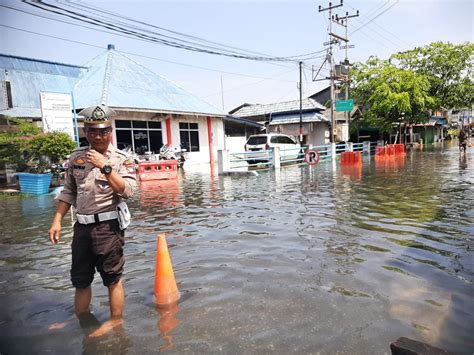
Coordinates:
(389, 151)
(351, 158)
(399, 148)
(158, 170)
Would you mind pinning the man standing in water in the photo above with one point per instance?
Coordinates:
(99, 177)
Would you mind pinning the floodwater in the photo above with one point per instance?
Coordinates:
(323, 260)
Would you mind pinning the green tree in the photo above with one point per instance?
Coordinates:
(25, 145)
(388, 93)
(14, 141)
(449, 69)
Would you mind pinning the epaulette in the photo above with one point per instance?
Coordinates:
(80, 149)
(118, 151)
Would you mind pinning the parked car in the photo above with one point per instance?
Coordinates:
(289, 148)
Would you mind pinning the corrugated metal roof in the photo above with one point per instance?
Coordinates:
(21, 112)
(28, 77)
(115, 80)
(295, 118)
(279, 107)
(244, 122)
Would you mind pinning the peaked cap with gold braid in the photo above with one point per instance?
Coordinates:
(97, 116)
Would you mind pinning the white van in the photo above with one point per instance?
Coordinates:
(289, 148)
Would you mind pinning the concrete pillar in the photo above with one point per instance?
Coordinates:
(276, 157)
(223, 163)
(349, 147)
(366, 147)
(333, 151)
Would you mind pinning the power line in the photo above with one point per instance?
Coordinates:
(141, 55)
(387, 31)
(378, 15)
(102, 11)
(156, 38)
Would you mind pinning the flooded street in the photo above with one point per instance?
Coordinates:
(298, 260)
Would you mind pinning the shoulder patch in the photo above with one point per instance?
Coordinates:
(128, 162)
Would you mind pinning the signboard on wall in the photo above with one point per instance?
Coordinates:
(56, 112)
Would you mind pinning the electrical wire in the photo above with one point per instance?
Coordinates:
(156, 38)
(141, 55)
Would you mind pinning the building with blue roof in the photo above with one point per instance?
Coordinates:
(151, 110)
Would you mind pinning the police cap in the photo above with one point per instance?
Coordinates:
(97, 116)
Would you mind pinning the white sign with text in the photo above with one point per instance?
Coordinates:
(56, 112)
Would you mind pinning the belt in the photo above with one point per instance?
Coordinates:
(95, 218)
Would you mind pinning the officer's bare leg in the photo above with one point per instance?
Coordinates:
(82, 300)
(116, 300)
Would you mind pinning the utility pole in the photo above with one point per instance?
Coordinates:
(331, 63)
(343, 22)
(301, 103)
(222, 93)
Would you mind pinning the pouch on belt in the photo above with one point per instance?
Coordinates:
(123, 215)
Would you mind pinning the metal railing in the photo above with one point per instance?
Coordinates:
(265, 159)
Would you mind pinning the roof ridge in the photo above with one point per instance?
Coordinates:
(169, 81)
(108, 70)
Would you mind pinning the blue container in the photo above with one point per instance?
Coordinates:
(37, 184)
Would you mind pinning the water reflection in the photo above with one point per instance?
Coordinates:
(160, 192)
(355, 259)
(167, 323)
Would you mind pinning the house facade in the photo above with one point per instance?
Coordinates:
(151, 111)
(285, 118)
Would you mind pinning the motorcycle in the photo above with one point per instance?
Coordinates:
(173, 153)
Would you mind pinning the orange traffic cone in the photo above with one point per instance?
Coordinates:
(166, 291)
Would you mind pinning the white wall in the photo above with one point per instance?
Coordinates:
(192, 157)
(235, 144)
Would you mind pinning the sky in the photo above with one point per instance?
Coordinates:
(271, 28)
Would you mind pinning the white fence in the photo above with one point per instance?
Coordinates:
(276, 157)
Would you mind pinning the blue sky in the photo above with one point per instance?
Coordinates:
(276, 28)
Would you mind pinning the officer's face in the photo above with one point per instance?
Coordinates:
(99, 138)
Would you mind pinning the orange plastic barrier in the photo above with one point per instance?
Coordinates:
(158, 170)
(351, 158)
(389, 151)
(399, 148)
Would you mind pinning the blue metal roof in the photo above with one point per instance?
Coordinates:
(115, 80)
(28, 77)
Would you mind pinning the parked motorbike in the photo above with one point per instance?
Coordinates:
(173, 153)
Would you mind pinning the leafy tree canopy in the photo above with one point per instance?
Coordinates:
(449, 69)
(26, 143)
(389, 93)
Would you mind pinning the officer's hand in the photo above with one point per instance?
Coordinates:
(95, 158)
(54, 233)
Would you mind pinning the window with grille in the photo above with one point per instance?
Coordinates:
(189, 135)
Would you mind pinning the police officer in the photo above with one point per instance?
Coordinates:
(99, 177)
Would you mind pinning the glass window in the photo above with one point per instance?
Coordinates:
(123, 124)
(139, 124)
(154, 124)
(140, 138)
(144, 136)
(189, 136)
(257, 140)
(156, 141)
(124, 139)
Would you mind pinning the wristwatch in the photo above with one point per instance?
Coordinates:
(107, 169)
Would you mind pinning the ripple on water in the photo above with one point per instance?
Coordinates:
(295, 260)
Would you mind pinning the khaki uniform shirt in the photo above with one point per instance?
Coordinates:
(87, 188)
